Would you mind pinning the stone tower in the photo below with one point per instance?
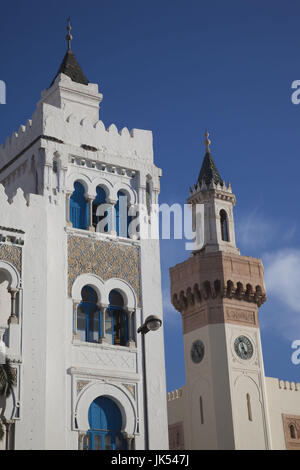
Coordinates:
(218, 292)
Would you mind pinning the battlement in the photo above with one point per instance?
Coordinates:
(201, 192)
(175, 394)
(68, 113)
(52, 122)
(212, 186)
(289, 386)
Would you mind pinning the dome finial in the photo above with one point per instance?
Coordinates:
(207, 142)
(69, 36)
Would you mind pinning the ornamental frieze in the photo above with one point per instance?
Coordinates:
(13, 255)
(105, 259)
(244, 317)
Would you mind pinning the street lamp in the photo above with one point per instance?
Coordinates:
(152, 323)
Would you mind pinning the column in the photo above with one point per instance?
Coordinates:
(129, 440)
(131, 342)
(75, 309)
(112, 217)
(103, 308)
(68, 223)
(81, 436)
(8, 426)
(90, 202)
(13, 317)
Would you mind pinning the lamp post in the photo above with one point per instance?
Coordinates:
(152, 323)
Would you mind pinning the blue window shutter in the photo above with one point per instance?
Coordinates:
(78, 207)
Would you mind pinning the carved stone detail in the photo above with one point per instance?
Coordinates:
(81, 384)
(131, 389)
(291, 427)
(106, 359)
(242, 317)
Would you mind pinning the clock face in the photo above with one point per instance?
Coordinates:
(197, 351)
(243, 347)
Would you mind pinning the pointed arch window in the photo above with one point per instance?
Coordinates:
(292, 431)
(79, 207)
(224, 226)
(148, 195)
(89, 317)
(98, 201)
(116, 320)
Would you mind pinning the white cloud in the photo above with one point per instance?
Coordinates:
(282, 277)
(255, 230)
(171, 315)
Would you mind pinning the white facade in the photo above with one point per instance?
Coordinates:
(59, 376)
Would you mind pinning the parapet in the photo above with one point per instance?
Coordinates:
(66, 125)
(175, 394)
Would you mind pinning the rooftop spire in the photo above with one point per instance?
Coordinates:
(209, 171)
(69, 36)
(207, 142)
(69, 65)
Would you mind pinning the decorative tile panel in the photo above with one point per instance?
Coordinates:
(12, 254)
(105, 259)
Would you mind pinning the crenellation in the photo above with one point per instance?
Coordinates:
(51, 122)
(288, 386)
(175, 394)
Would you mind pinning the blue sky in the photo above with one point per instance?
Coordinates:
(179, 67)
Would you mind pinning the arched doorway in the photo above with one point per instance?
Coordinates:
(105, 422)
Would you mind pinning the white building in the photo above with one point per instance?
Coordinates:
(227, 402)
(73, 294)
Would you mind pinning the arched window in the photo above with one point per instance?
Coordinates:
(79, 207)
(89, 317)
(292, 431)
(100, 199)
(148, 196)
(116, 320)
(105, 420)
(224, 226)
(121, 211)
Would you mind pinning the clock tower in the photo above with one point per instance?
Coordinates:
(218, 292)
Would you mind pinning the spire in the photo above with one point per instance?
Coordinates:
(209, 171)
(207, 142)
(69, 36)
(69, 65)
